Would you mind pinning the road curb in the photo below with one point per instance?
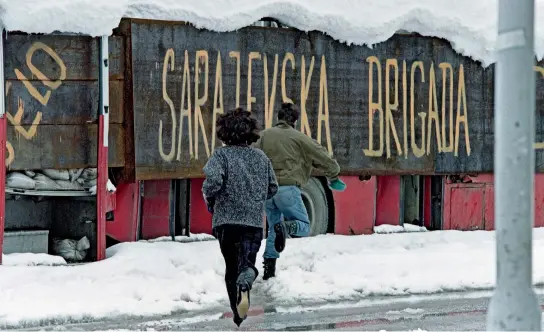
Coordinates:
(257, 311)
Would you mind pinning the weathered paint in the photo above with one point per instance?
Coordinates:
(354, 208)
(388, 200)
(199, 217)
(410, 105)
(470, 206)
(124, 226)
(52, 99)
(539, 200)
(155, 209)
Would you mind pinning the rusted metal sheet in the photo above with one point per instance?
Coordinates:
(52, 98)
(62, 146)
(410, 105)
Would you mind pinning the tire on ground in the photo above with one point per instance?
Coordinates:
(315, 200)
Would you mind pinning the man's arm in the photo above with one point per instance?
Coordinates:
(272, 182)
(259, 143)
(321, 159)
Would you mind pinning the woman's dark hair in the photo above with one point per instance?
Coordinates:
(237, 127)
(288, 113)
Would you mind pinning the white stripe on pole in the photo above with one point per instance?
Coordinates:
(104, 86)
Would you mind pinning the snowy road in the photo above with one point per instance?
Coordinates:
(158, 279)
(445, 312)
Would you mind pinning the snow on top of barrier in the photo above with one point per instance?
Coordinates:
(470, 25)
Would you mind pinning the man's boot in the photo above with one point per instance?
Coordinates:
(283, 230)
(291, 226)
(269, 265)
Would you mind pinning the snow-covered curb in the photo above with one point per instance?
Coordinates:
(159, 278)
(185, 239)
(406, 228)
(29, 259)
(470, 25)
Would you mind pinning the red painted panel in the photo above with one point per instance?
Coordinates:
(155, 209)
(486, 182)
(539, 203)
(489, 207)
(199, 217)
(466, 208)
(427, 200)
(354, 208)
(539, 200)
(388, 200)
(482, 178)
(124, 227)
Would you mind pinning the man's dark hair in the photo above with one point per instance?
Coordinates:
(288, 113)
(237, 127)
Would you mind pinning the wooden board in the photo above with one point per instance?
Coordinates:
(62, 146)
(52, 101)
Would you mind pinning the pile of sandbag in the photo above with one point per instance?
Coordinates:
(71, 250)
(53, 179)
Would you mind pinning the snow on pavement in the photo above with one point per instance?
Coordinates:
(470, 25)
(180, 238)
(154, 278)
(388, 229)
(29, 259)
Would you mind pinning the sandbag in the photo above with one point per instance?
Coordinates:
(45, 183)
(20, 181)
(89, 174)
(57, 174)
(71, 250)
(30, 173)
(68, 185)
(86, 184)
(75, 174)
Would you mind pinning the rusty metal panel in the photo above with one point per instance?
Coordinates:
(410, 105)
(62, 146)
(52, 98)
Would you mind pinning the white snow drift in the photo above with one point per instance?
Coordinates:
(470, 25)
(153, 278)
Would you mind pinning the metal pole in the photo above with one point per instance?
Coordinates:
(102, 159)
(3, 141)
(514, 305)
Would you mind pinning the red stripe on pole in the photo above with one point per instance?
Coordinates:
(3, 140)
(101, 190)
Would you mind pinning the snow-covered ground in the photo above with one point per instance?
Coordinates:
(152, 278)
(191, 238)
(388, 229)
(470, 25)
(29, 259)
